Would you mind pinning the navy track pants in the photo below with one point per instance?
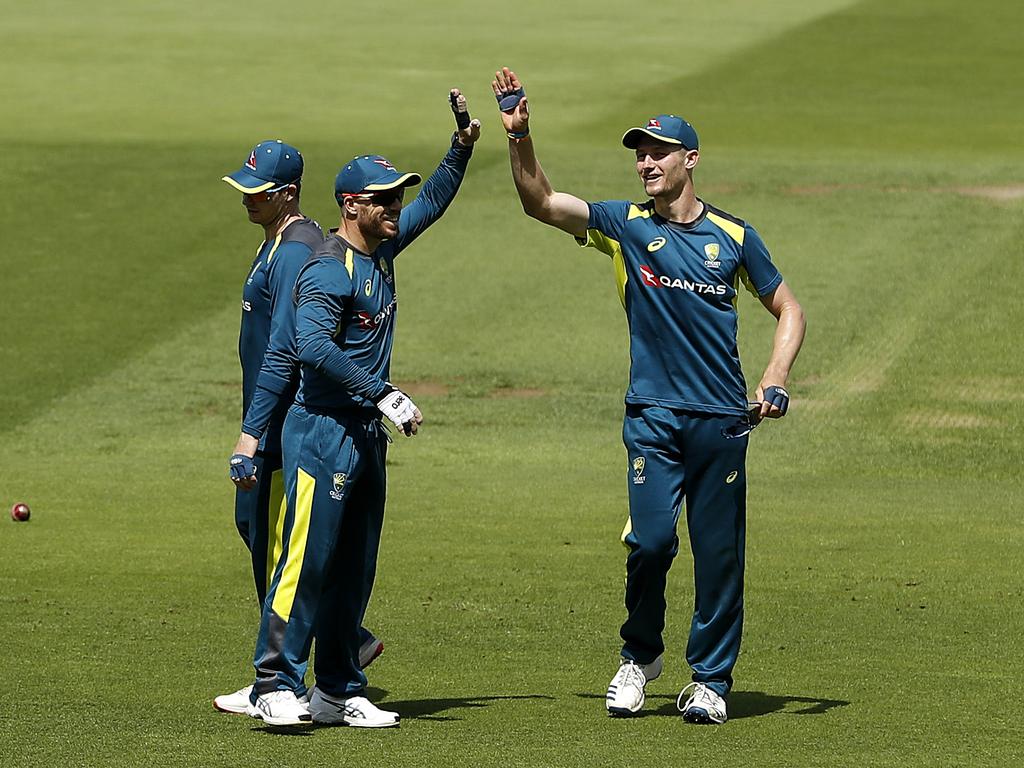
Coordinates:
(682, 460)
(335, 484)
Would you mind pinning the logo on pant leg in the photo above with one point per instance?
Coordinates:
(732, 477)
(638, 470)
(339, 485)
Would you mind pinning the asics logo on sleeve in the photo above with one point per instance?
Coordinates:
(652, 280)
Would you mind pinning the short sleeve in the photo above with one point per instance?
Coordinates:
(761, 275)
(604, 226)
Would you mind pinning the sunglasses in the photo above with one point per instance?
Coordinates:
(384, 199)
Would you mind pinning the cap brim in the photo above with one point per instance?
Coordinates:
(632, 137)
(391, 181)
(244, 181)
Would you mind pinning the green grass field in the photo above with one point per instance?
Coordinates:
(874, 144)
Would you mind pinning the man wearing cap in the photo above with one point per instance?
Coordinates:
(334, 441)
(678, 264)
(270, 181)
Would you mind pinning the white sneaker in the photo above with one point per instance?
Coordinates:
(370, 650)
(357, 711)
(236, 703)
(626, 690)
(704, 705)
(280, 708)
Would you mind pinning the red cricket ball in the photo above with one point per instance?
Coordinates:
(20, 512)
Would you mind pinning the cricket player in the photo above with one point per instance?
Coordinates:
(335, 443)
(270, 182)
(678, 262)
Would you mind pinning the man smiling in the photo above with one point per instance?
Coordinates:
(270, 181)
(678, 263)
(334, 441)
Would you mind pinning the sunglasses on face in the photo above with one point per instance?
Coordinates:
(384, 199)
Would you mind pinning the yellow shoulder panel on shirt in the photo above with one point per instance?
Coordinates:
(613, 248)
(349, 261)
(734, 230)
(273, 249)
(636, 212)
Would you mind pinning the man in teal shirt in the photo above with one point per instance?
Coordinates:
(679, 263)
(335, 444)
(270, 181)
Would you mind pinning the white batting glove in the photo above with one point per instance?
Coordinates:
(400, 410)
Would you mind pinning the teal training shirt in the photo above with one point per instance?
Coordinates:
(678, 284)
(346, 303)
(266, 339)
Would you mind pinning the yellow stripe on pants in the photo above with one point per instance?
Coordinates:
(284, 597)
(276, 508)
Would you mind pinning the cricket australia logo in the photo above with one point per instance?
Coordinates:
(711, 250)
(639, 478)
(339, 485)
(385, 270)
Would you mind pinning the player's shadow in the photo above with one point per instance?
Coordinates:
(743, 704)
(431, 709)
(412, 709)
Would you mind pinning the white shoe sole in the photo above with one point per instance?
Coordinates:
(236, 703)
(354, 722)
(279, 721)
(230, 709)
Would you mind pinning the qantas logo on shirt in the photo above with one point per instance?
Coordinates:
(662, 281)
(368, 322)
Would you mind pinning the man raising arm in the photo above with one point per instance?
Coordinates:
(678, 265)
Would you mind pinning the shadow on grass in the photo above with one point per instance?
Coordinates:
(430, 709)
(743, 704)
(414, 709)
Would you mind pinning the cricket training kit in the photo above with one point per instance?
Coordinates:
(269, 382)
(678, 284)
(335, 443)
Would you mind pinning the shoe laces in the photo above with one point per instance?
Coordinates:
(632, 674)
(701, 693)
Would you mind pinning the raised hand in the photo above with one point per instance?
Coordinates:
(511, 96)
(469, 129)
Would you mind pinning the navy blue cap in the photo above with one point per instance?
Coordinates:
(667, 128)
(371, 173)
(270, 164)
